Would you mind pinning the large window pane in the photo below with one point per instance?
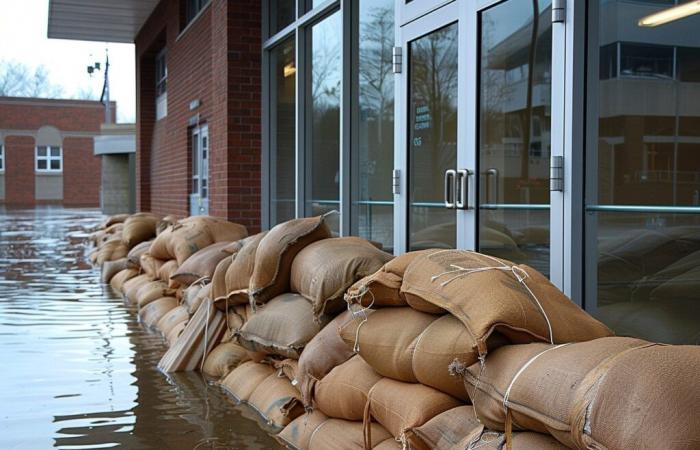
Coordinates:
(282, 132)
(643, 197)
(323, 119)
(514, 131)
(373, 163)
(282, 13)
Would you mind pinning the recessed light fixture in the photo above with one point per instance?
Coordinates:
(289, 70)
(671, 14)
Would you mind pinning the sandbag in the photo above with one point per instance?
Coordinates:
(111, 250)
(165, 222)
(488, 294)
(297, 435)
(174, 334)
(287, 368)
(277, 401)
(283, 327)
(170, 320)
(135, 253)
(388, 444)
(325, 269)
(445, 430)
(324, 351)
(277, 250)
(132, 286)
(241, 269)
(543, 396)
(494, 440)
(342, 394)
(192, 234)
(201, 264)
(383, 288)
(150, 265)
(149, 292)
(244, 379)
(223, 359)
(114, 219)
(400, 407)
(166, 270)
(218, 282)
(340, 434)
(118, 280)
(151, 313)
(111, 268)
(138, 228)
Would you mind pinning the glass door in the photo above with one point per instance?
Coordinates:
(199, 197)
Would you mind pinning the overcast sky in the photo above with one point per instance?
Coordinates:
(23, 38)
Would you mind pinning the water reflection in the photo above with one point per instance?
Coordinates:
(80, 372)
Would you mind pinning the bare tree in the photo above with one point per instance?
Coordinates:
(18, 80)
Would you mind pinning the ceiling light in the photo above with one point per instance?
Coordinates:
(289, 70)
(671, 14)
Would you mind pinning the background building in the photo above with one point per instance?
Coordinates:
(46, 151)
(566, 138)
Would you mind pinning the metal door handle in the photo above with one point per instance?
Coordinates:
(492, 182)
(462, 189)
(450, 188)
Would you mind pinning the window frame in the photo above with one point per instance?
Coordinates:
(161, 65)
(2, 158)
(48, 158)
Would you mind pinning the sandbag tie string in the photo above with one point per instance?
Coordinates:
(362, 311)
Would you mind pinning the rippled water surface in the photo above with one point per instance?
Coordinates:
(78, 371)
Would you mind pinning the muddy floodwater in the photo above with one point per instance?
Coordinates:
(78, 371)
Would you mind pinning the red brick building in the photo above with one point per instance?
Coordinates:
(46, 151)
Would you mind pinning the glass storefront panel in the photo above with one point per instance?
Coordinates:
(643, 199)
(282, 132)
(373, 161)
(432, 137)
(514, 131)
(281, 14)
(323, 119)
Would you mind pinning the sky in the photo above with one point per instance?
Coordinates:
(23, 26)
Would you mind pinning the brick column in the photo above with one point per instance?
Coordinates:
(19, 170)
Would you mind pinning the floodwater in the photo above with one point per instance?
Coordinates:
(78, 371)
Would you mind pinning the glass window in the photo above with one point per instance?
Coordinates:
(282, 13)
(161, 72)
(282, 132)
(49, 159)
(192, 8)
(323, 119)
(643, 185)
(2, 158)
(373, 161)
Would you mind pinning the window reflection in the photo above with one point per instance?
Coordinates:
(646, 154)
(282, 136)
(323, 118)
(372, 196)
(432, 137)
(514, 131)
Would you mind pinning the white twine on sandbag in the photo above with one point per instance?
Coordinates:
(362, 311)
(519, 274)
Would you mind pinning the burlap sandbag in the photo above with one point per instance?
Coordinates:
(111, 250)
(114, 219)
(193, 295)
(135, 253)
(118, 280)
(111, 268)
(218, 282)
(192, 234)
(151, 291)
(388, 444)
(325, 269)
(175, 333)
(445, 430)
(138, 228)
(200, 264)
(338, 434)
(132, 286)
(542, 381)
(488, 294)
(170, 320)
(244, 379)
(495, 440)
(241, 269)
(165, 222)
(277, 401)
(382, 288)
(342, 394)
(324, 351)
(287, 368)
(223, 359)
(283, 327)
(150, 265)
(400, 407)
(151, 313)
(297, 435)
(277, 250)
(166, 270)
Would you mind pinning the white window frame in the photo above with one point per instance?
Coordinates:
(161, 85)
(48, 158)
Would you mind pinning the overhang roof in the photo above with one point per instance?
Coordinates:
(98, 20)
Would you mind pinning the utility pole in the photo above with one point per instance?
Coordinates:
(104, 98)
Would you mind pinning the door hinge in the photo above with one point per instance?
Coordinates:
(556, 174)
(396, 59)
(396, 181)
(558, 11)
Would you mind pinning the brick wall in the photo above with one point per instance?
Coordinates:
(216, 60)
(82, 173)
(19, 170)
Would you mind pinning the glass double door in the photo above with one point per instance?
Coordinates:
(475, 146)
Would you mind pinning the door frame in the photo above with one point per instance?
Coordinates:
(198, 133)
